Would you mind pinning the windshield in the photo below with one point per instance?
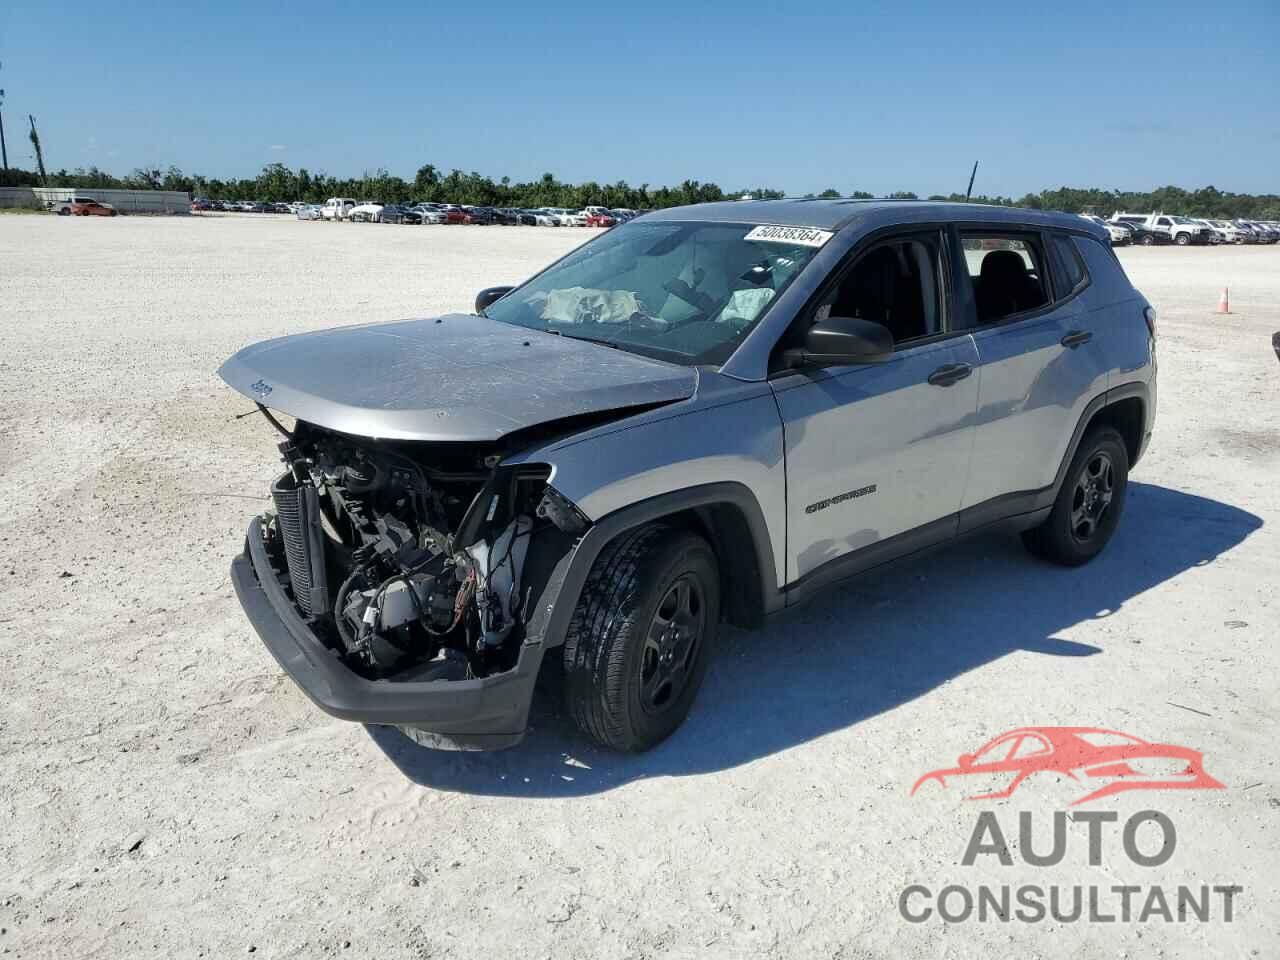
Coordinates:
(684, 292)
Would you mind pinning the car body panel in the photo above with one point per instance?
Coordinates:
(1032, 392)
(729, 429)
(852, 483)
(453, 378)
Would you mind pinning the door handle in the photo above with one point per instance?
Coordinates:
(1075, 338)
(950, 373)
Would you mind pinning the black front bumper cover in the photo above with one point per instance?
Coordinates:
(486, 713)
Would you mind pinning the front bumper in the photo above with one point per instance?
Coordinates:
(480, 714)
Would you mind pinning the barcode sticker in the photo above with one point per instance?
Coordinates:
(801, 236)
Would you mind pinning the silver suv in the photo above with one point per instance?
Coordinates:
(705, 414)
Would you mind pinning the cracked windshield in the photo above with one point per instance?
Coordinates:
(684, 292)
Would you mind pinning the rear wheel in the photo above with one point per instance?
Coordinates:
(638, 645)
(1182, 239)
(1089, 504)
(1148, 240)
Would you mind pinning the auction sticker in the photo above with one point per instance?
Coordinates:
(801, 236)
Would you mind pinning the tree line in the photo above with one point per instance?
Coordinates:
(279, 183)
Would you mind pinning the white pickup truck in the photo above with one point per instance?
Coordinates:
(337, 208)
(1181, 230)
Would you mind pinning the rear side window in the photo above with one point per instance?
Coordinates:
(1007, 272)
(1108, 282)
(1074, 275)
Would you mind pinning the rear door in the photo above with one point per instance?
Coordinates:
(1041, 354)
(876, 454)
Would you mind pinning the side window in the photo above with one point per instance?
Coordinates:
(895, 283)
(1074, 275)
(1029, 746)
(1007, 273)
(997, 751)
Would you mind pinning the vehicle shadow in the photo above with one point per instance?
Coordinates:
(858, 650)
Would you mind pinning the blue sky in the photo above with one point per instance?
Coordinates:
(876, 97)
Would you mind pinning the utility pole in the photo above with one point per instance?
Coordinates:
(35, 142)
(4, 153)
(968, 193)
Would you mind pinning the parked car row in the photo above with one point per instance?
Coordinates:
(200, 204)
(346, 208)
(368, 211)
(1150, 229)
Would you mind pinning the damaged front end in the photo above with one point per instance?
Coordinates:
(404, 582)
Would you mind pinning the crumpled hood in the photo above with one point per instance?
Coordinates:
(453, 378)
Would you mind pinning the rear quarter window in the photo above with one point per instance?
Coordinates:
(1108, 281)
(1073, 276)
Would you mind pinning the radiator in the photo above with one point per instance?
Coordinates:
(298, 519)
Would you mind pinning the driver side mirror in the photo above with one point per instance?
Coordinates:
(837, 341)
(489, 295)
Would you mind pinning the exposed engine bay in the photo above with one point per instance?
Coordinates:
(413, 560)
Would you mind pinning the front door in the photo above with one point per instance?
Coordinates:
(877, 454)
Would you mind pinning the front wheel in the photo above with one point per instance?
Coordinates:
(1182, 239)
(640, 639)
(1089, 504)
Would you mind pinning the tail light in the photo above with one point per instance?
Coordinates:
(1149, 314)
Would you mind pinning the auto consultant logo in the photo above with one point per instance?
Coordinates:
(1102, 762)
(1093, 763)
(261, 388)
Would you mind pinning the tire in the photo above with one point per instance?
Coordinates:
(638, 644)
(1089, 504)
(1148, 240)
(1182, 239)
(64, 212)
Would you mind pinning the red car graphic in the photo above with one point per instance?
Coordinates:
(1087, 755)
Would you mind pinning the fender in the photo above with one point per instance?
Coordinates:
(549, 620)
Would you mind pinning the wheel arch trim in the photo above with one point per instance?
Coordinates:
(1136, 389)
(549, 621)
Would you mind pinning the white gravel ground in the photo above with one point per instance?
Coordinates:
(166, 792)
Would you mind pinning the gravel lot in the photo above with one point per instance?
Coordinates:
(167, 792)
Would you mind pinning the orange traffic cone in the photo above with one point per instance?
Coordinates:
(1223, 305)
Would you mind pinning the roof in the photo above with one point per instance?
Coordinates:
(837, 214)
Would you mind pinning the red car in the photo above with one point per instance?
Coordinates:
(454, 214)
(600, 220)
(1113, 761)
(92, 208)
